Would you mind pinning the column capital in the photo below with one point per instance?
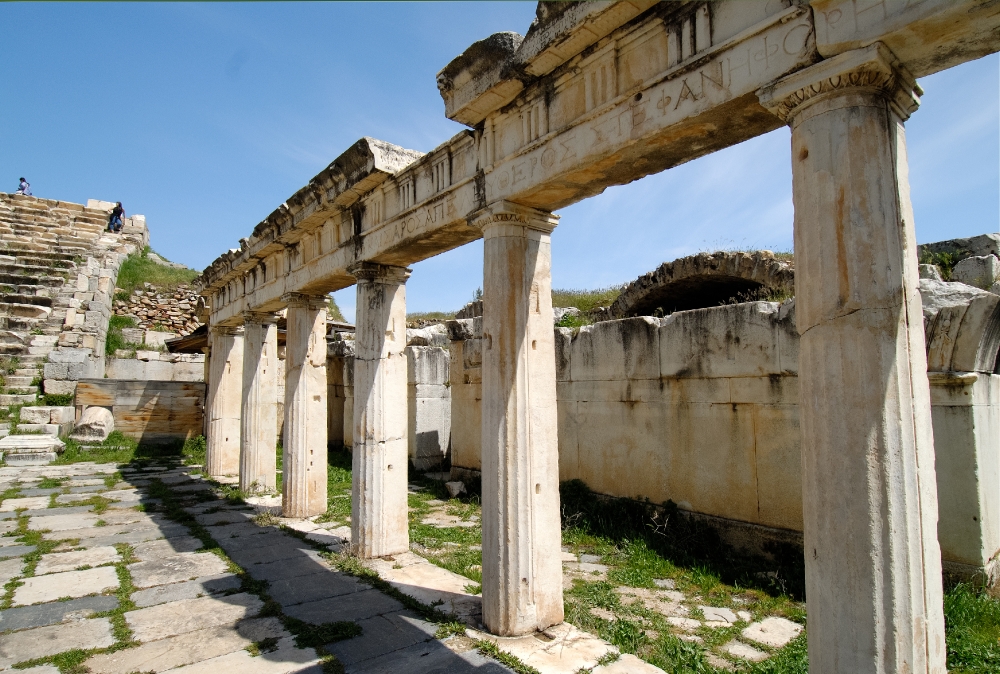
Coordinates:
(373, 272)
(873, 68)
(507, 213)
(267, 317)
(226, 329)
(304, 300)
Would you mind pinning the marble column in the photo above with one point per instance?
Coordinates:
(304, 464)
(379, 525)
(259, 429)
(522, 571)
(223, 409)
(873, 565)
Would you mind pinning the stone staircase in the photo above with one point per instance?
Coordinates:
(43, 247)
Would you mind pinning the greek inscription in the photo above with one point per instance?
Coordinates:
(795, 39)
(503, 180)
(638, 115)
(569, 152)
(686, 93)
(548, 157)
(517, 173)
(663, 103)
(765, 54)
(713, 74)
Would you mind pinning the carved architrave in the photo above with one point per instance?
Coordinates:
(872, 68)
(262, 317)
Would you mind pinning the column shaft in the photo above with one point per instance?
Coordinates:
(304, 465)
(873, 566)
(259, 430)
(522, 571)
(379, 524)
(223, 407)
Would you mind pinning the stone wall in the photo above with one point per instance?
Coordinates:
(162, 310)
(701, 408)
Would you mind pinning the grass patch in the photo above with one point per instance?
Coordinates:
(945, 262)
(420, 317)
(58, 399)
(586, 300)
(490, 650)
(115, 340)
(138, 268)
(972, 622)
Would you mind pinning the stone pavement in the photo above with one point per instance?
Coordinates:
(118, 581)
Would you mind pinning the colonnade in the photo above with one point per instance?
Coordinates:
(872, 560)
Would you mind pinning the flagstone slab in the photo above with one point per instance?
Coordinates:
(67, 561)
(176, 568)
(16, 550)
(186, 649)
(774, 632)
(189, 589)
(54, 612)
(285, 660)
(38, 589)
(164, 547)
(59, 522)
(70, 510)
(11, 568)
(44, 641)
(24, 503)
(188, 615)
(364, 604)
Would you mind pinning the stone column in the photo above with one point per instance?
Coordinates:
(223, 409)
(522, 571)
(379, 525)
(304, 466)
(873, 565)
(260, 410)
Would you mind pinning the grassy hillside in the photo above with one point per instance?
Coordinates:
(139, 268)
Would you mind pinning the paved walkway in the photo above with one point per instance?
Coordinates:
(122, 586)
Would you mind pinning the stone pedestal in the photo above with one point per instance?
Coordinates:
(522, 571)
(873, 566)
(379, 524)
(222, 408)
(260, 411)
(304, 465)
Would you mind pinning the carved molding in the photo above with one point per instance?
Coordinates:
(508, 213)
(873, 68)
(304, 301)
(264, 317)
(372, 272)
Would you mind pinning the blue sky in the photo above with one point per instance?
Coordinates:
(205, 117)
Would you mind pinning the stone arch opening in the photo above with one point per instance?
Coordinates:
(705, 280)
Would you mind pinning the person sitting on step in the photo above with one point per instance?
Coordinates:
(115, 222)
(24, 188)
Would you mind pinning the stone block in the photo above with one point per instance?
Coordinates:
(176, 568)
(26, 617)
(36, 415)
(56, 370)
(63, 355)
(364, 604)
(159, 371)
(68, 561)
(286, 658)
(980, 271)
(157, 339)
(77, 370)
(45, 641)
(147, 355)
(30, 444)
(189, 615)
(126, 368)
(57, 386)
(191, 589)
(62, 414)
(133, 335)
(610, 350)
(12, 504)
(38, 589)
(160, 549)
(187, 649)
(59, 522)
(772, 632)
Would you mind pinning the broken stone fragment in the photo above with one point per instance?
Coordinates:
(980, 271)
(455, 488)
(95, 425)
